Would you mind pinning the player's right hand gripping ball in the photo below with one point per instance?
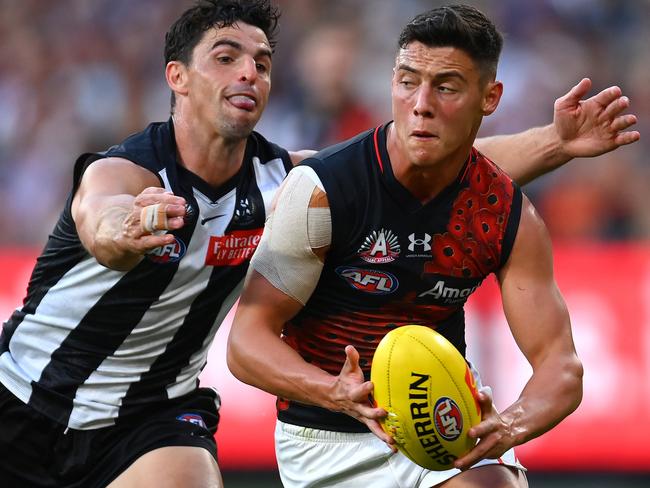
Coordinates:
(430, 394)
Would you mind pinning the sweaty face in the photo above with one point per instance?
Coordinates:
(438, 102)
(229, 79)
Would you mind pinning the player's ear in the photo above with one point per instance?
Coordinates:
(176, 75)
(491, 96)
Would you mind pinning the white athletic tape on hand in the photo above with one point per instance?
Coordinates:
(153, 217)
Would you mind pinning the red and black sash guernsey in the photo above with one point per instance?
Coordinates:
(394, 261)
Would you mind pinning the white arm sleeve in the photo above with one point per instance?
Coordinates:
(285, 255)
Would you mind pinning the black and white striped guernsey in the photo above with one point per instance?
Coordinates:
(92, 344)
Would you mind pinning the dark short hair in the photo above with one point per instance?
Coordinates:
(184, 34)
(460, 26)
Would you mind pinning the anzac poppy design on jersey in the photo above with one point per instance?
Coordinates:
(395, 261)
(471, 245)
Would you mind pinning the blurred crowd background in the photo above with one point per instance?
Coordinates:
(79, 75)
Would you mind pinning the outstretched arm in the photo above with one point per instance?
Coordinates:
(540, 324)
(108, 206)
(580, 128)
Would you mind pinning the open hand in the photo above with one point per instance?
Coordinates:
(352, 393)
(593, 126)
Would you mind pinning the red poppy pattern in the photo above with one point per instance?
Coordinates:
(471, 245)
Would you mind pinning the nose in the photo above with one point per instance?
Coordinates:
(248, 70)
(423, 102)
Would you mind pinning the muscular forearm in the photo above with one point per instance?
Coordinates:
(100, 225)
(263, 360)
(526, 155)
(553, 392)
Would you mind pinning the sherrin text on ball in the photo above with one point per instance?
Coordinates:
(430, 394)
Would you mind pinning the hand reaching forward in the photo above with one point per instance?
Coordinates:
(494, 434)
(351, 396)
(593, 126)
(154, 209)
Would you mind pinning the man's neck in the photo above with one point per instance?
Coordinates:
(205, 153)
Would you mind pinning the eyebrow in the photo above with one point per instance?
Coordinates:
(441, 75)
(406, 67)
(236, 45)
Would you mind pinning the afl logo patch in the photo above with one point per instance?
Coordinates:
(169, 253)
(369, 280)
(448, 419)
(192, 418)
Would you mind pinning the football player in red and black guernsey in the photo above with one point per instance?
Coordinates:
(397, 226)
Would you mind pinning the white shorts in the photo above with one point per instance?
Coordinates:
(321, 458)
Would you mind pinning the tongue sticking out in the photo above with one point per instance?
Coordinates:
(242, 102)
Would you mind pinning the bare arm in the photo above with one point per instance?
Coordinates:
(298, 156)
(580, 128)
(107, 208)
(540, 324)
(258, 356)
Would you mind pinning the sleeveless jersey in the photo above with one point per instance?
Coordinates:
(395, 261)
(90, 344)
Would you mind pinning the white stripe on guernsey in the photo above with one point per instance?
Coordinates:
(96, 407)
(165, 178)
(186, 380)
(79, 289)
(269, 176)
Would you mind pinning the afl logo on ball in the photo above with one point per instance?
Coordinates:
(448, 419)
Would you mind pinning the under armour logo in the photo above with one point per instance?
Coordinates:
(420, 242)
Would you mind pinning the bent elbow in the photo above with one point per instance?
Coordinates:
(575, 372)
(233, 359)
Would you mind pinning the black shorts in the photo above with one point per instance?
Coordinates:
(38, 452)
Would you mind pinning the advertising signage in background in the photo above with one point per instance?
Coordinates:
(607, 290)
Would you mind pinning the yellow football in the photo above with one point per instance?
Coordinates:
(430, 394)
